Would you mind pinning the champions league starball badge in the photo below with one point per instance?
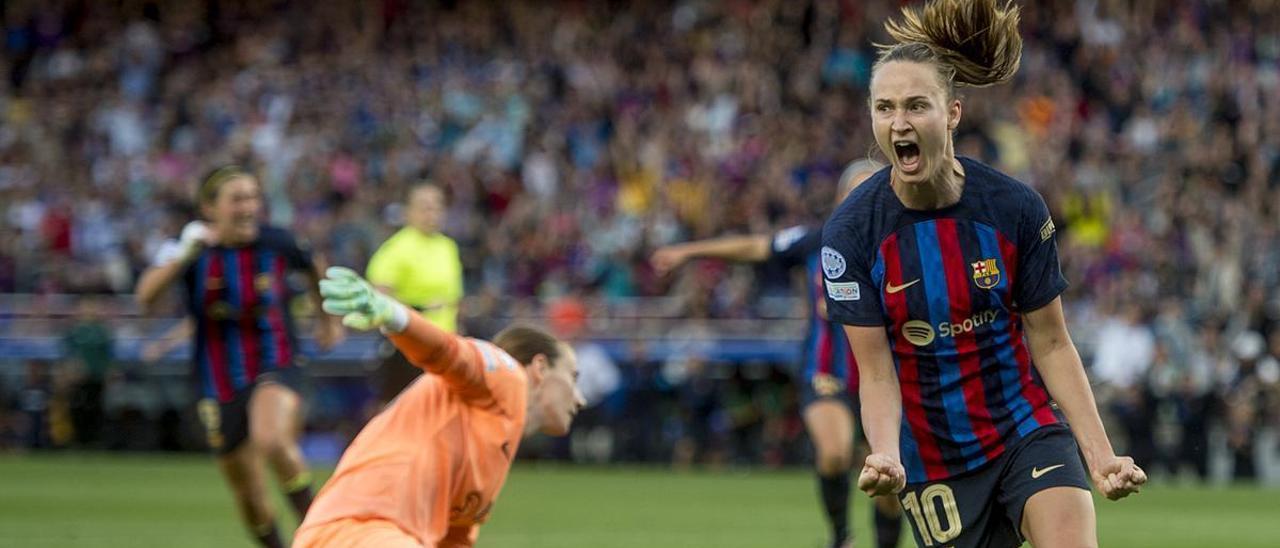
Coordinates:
(833, 264)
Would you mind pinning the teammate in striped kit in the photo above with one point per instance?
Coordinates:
(234, 275)
(939, 266)
(828, 374)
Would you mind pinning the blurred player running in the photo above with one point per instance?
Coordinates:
(936, 266)
(233, 272)
(427, 469)
(829, 375)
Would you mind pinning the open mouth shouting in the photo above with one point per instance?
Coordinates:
(908, 153)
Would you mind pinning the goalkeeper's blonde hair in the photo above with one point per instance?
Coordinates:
(971, 42)
(524, 342)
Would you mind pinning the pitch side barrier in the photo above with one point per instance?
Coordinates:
(632, 329)
(348, 357)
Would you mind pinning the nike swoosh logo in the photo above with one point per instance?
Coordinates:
(891, 289)
(1036, 472)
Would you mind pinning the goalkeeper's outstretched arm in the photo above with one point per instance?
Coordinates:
(434, 350)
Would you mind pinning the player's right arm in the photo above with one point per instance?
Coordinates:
(174, 336)
(791, 245)
(881, 412)
(748, 249)
(853, 299)
(172, 263)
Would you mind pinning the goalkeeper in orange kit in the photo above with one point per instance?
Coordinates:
(426, 471)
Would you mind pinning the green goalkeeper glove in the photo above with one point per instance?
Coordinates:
(361, 306)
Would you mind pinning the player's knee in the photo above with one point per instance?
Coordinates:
(1061, 533)
(249, 494)
(267, 441)
(1073, 539)
(830, 463)
(888, 505)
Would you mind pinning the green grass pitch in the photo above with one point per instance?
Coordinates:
(112, 501)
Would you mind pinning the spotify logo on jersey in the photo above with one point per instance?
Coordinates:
(920, 333)
(917, 332)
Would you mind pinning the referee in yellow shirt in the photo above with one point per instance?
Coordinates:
(420, 267)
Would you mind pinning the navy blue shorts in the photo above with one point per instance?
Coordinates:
(823, 386)
(983, 508)
(226, 424)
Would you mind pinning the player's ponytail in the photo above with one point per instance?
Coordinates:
(973, 42)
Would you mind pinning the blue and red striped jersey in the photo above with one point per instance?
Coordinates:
(949, 286)
(239, 298)
(826, 347)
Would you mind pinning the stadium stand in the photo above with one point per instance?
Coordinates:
(573, 140)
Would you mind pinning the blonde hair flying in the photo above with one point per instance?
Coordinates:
(973, 42)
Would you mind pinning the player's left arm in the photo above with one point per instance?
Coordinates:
(1059, 364)
(460, 362)
(1037, 291)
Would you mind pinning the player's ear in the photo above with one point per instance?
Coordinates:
(538, 367)
(953, 114)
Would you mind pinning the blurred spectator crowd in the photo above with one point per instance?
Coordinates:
(572, 137)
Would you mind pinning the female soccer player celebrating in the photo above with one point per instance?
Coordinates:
(425, 471)
(828, 374)
(233, 275)
(937, 266)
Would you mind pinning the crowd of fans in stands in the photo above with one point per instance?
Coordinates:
(573, 138)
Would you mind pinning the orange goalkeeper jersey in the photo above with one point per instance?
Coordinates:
(434, 460)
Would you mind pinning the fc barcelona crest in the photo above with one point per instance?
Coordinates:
(986, 274)
(262, 283)
(827, 385)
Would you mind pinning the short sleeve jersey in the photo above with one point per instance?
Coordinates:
(949, 287)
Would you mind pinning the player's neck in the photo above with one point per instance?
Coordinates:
(531, 424)
(942, 190)
(228, 238)
(425, 231)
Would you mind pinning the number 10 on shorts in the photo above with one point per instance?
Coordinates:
(924, 512)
